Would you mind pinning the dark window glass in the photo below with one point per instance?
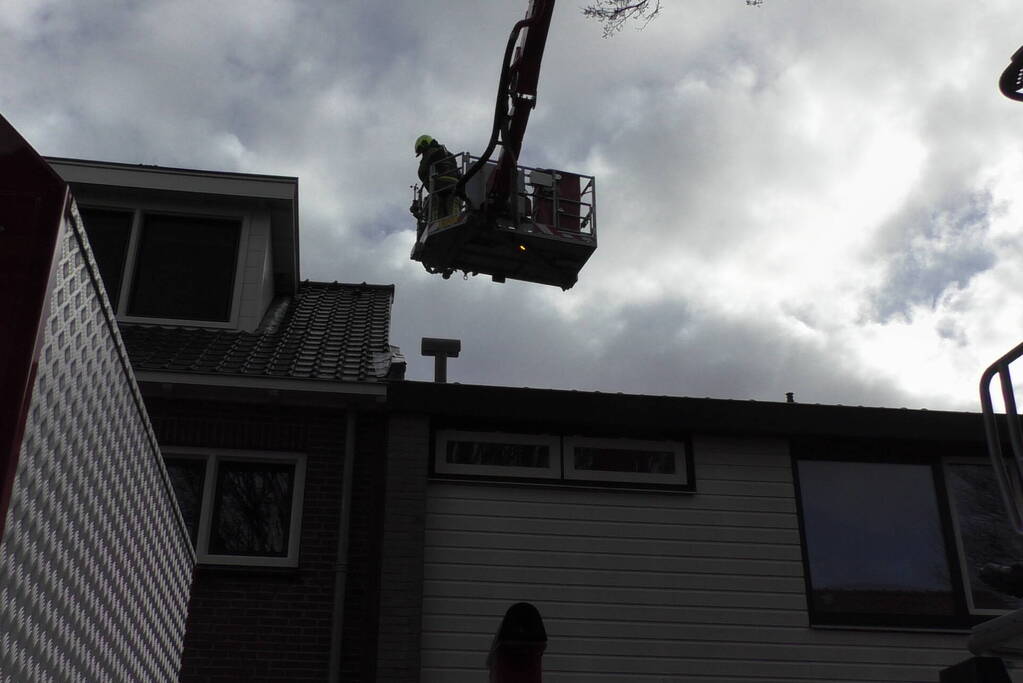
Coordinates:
(874, 539)
(108, 233)
(187, 476)
(185, 268)
(252, 509)
(624, 460)
(498, 454)
(987, 538)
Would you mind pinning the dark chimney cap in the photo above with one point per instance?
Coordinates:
(441, 350)
(441, 347)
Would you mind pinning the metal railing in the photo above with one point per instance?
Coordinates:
(545, 198)
(1008, 471)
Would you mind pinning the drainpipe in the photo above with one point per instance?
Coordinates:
(341, 563)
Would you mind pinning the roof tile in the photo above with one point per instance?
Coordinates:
(329, 331)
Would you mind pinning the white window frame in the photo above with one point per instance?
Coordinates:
(139, 211)
(679, 478)
(553, 443)
(213, 457)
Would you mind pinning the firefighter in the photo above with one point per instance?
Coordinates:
(436, 158)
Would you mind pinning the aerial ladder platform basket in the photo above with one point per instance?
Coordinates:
(545, 234)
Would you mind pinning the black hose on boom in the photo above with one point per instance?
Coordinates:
(500, 111)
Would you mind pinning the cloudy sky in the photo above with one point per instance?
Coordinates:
(816, 196)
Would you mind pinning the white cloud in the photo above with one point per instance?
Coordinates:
(819, 197)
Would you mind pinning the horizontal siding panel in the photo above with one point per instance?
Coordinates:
(745, 453)
(649, 586)
(726, 472)
(558, 628)
(622, 578)
(477, 674)
(613, 596)
(626, 506)
(751, 489)
(593, 560)
(628, 613)
(737, 666)
(660, 530)
(668, 649)
(636, 548)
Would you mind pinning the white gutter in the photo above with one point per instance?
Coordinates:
(341, 564)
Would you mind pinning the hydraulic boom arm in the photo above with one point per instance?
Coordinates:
(516, 97)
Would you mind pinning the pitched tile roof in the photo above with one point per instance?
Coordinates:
(328, 331)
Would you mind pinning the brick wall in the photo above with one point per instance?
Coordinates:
(401, 594)
(261, 624)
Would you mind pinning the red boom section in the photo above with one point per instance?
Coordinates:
(32, 201)
(523, 76)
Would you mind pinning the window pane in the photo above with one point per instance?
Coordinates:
(108, 233)
(187, 476)
(874, 539)
(185, 268)
(498, 454)
(252, 509)
(624, 460)
(984, 531)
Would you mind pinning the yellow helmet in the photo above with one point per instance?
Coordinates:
(422, 142)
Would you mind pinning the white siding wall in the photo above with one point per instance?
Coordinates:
(649, 586)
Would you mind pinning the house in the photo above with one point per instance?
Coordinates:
(352, 525)
(671, 539)
(95, 562)
(265, 394)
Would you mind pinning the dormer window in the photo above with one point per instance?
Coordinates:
(185, 268)
(164, 266)
(187, 248)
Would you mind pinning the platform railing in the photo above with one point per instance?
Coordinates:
(1008, 470)
(567, 216)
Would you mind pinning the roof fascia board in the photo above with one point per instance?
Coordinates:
(706, 415)
(282, 384)
(176, 179)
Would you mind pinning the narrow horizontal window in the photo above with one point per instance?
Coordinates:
(498, 454)
(875, 543)
(625, 460)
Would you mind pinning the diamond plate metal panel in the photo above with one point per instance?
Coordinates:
(95, 562)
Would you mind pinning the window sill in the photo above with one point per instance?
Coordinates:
(224, 569)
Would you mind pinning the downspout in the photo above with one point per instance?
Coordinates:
(341, 563)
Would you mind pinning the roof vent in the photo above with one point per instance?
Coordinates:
(441, 350)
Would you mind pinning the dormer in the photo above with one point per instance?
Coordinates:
(188, 248)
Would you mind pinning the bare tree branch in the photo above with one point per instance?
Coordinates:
(613, 14)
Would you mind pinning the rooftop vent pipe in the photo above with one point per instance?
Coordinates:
(441, 350)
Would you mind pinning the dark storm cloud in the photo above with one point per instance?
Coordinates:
(931, 250)
(726, 141)
(658, 348)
